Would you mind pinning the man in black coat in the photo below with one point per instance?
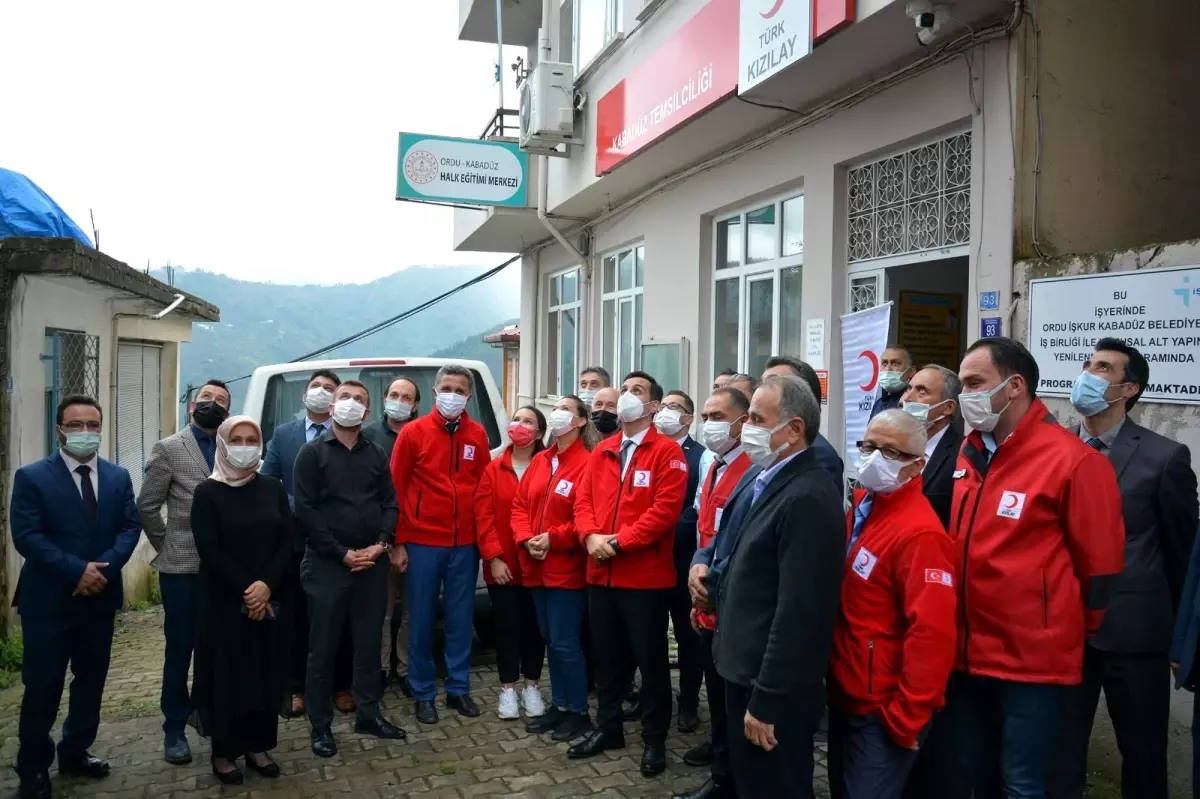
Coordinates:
(777, 594)
(1128, 655)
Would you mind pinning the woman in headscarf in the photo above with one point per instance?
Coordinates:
(243, 531)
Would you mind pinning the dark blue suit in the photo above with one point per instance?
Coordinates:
(282, 450)
(58, 538)
(691, 666)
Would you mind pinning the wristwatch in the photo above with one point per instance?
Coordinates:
(616, 546)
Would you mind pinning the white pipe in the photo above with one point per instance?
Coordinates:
(500, 52)
(178, 301)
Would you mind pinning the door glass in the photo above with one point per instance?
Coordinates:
(610, 274)
(637, 331)
(624, 361)
(729, 244)
(610, 333)
(725, 324)
(793, 226)
(760, 304)
(625, 271)
(570, 284)
(791, 335)
(567, 373)
(760, 235)
(639, 273)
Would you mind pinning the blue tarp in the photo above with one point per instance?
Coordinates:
(26, 210)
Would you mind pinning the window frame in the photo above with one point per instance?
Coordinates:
(613, 13)
(746, 274)
(553, 388)
(610, 324)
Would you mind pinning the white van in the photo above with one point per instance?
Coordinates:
(276, 395)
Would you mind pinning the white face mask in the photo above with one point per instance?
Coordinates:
(716, 437)
(560, 422)
(243, 457)
(669, 422)
(920, 411)
(878, 474)
(451, 405)
(397, 411)
(318, 399)
(757, 443)
(630, 408)
(588, 396)
(977, 408)
(349, 413)
(892, 381)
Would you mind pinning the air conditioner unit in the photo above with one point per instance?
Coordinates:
(547, 114)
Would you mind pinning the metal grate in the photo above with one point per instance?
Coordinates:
(864, 293)
(915, 201)
(74, 368)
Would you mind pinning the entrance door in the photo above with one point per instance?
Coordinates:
(139, 406)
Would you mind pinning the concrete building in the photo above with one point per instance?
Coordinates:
(698, 227)
(76, 321)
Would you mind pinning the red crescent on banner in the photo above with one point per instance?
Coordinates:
(874, 359)
(773, 10)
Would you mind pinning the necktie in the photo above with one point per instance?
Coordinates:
(759, 485)
(1095, 443)
(712, 476)
(860, 518)
(85, 488)
(315, 431)
(626, 451)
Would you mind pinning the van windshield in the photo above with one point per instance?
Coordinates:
(284, 400)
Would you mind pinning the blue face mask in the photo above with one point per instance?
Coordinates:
(82, 444)
(1088, 394)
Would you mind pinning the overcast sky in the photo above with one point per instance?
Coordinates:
(257, 139)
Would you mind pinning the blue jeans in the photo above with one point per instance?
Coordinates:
(864, 763)
(179, 630)
(453, 571)
(560, 616)
(1002, 732)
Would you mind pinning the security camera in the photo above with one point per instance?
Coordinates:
(929, 19)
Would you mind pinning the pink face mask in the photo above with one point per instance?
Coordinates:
(520, 435)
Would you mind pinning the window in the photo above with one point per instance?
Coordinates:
(562, 332)
(624, 273)
(759, 257)
(72, 366)
(594, 25)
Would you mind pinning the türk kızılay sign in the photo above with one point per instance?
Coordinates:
(774, 34)
(1155, 310)
(468, 171)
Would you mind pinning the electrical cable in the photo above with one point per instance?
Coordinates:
(386, 323)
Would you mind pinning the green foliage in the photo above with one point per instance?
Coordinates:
(11, 656)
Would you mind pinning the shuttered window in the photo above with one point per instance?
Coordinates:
(139, 406)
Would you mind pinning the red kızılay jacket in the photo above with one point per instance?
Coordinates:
(1040, 540)
(545, 503)
(893, 643)
(493, 517)
(436, 472)
(640, 510)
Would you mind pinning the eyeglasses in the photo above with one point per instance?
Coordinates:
(675, 406)
(889, 453)
(79, 427)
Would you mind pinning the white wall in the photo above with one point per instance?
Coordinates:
(676, 226)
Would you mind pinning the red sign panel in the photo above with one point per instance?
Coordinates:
(692, 71)
(829, 17)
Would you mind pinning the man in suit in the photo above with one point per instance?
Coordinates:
(674, 420)
(823, 451)
(1128, 657)
(280, 462)
(932, 398)
(895, 371)
(176, 465)
(777, 594)
(74, 521)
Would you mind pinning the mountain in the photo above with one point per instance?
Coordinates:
(265, 323)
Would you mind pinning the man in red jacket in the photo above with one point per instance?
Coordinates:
(629, 499)
(436, 465)
(1040, 539)
(893, 643)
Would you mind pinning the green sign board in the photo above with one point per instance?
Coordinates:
(466, 171)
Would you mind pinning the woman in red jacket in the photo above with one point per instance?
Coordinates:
(543, 522)
(519, 646)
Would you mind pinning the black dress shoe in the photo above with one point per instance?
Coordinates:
(596, 742)
(464, 704)
(689, 719)
(425, 712)
(654, 760)
(574, 726)
(547, 722)
(83, 766)
(700, 756)
(709, 790)
(270, 769)
(632, 711)
(404, 687)
(35, 787)
(322, 742)
(380, 728)
(233, 777)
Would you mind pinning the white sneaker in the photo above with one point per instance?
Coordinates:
(531, 697)
(509, 706)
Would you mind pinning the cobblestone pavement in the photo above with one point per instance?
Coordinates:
(456, 758)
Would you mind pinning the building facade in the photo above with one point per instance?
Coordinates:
(719, 209)
(78, 322)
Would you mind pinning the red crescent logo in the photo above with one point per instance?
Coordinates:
(1010, 501)
(874, 359)
(772, 11)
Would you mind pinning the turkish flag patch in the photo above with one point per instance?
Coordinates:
(680, 465)
(938, 576)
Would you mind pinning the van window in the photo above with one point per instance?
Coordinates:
(284, 400)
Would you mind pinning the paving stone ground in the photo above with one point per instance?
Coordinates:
(456, 758)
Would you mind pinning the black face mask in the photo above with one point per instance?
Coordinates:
(209, 415)
(605, 421)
